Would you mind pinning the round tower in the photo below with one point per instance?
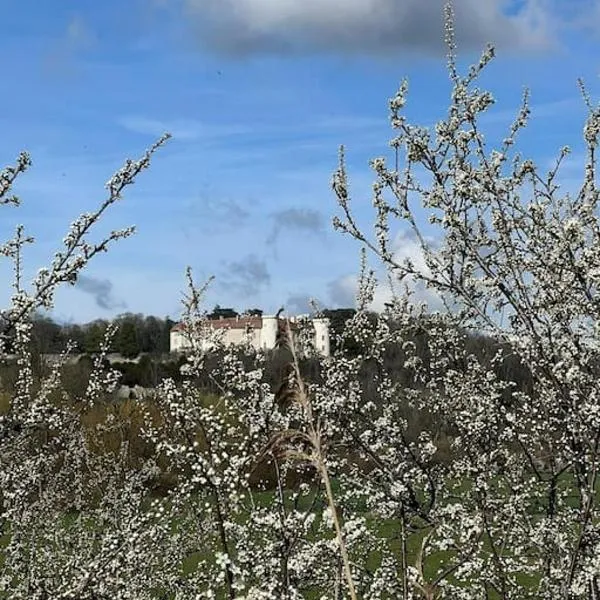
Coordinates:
(174, 340)
(322, 336)
(268, 332)
(177, 339)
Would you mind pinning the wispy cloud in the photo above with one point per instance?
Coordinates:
(247, 276)
(180, 129)
(101, 290)
(309, 127)
(541, 110)
(301, 219)
(211, 213)
(78, 37)
(79, 33)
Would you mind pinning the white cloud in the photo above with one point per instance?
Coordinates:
(342, 291)
(243, 27)
(78, 33)
(314, 126)
(75, 41)
(180, 129)
(542, 110)
(407, 246)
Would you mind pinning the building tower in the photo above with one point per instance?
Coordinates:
(321, 326)
(268, 333)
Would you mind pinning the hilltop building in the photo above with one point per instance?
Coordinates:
(263, 330)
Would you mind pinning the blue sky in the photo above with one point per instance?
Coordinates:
(258, 95)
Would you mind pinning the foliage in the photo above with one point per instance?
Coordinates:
(127, 343)
(222, 313)
(94, 336)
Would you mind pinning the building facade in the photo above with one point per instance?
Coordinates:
(263, 332)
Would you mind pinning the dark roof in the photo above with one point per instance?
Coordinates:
(236, 323)
(228, 323)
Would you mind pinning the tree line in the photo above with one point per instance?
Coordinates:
(137, 333)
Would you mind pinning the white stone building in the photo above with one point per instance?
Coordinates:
(262, 330)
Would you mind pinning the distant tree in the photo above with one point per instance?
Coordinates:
(151, 334)
(126, 342)
(76, 334)
(254, 312)
(47, 336)
(225, 313)
(94, 336)
(337, 322)
(338, 317)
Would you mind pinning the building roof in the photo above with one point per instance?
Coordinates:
(237, 323)
(228, 323)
